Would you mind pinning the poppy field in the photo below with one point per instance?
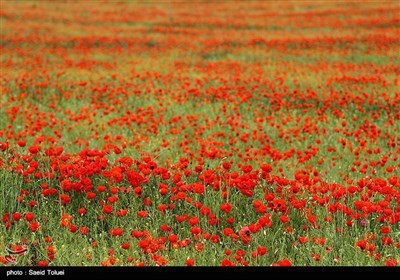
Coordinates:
(229, 133)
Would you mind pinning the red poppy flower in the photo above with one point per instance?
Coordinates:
(180, 196)
(65, 220)
(226, 207)
(312, 219)
(163, 191)
(160, 261)
(254, 228)
(90, 195)
(269, 197)
(246, 168)
(266, 168)
(162, 208)
(284, 262)
(185, 242)
(215, 239)
(385, 230)
(147, 201)
(125, 246)
(205, 211)
(391, 262)
(387, 241)
(279, 205)
(112, 199)
(227, 262)
(111, 252)
(180, 219)
(137, 234)
(319, 241)
(142, 214)
(289, 229)
(65, 199)
(261, 250)
(21, 143)
(165, 227)
(34, 149)
(29, 217)
(198, 247)
(190, 262)
(32, 203)
(82, 211)
(107, 209)
(226, 165)
(51, 250)
(257, 203)
(265, 221)
(361, 244)
(116, 232)
(303, 240)
(173, 238)
(17, 250)
(34, 226)
(193, 221)
(227, 231)
(284, 219)
(42, 263)
(244, 234)
(121, 213)
(101, 188)
(316, 257)
(198, 188)
(16, 216)
(83, 230)
(72, 228)
(195, 230)
(138, 191)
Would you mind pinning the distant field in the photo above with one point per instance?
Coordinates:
(237, 133)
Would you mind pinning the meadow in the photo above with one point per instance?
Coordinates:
(228, 133)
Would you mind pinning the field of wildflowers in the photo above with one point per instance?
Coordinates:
(229, 133)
